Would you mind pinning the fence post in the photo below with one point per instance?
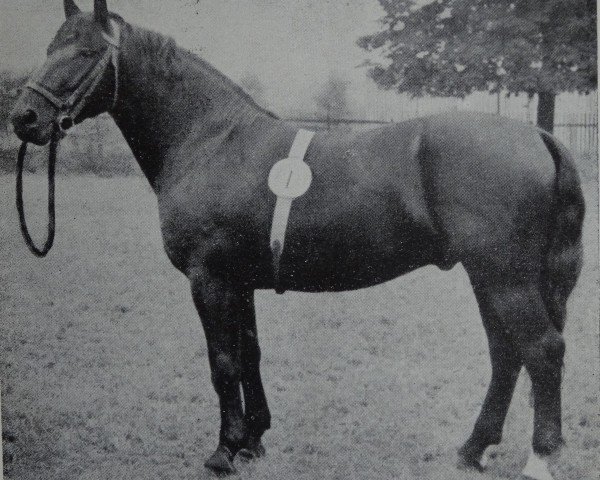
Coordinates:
(498, 103)
(1, 439)
(583, 141)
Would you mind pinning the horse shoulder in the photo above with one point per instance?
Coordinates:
(212, 211)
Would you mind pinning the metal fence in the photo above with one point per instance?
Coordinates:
(335, 123)
(578, 132)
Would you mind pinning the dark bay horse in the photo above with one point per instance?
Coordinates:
(500, 197)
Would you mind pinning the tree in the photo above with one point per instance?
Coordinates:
(10, 85)
(455, 47)
(332, 100)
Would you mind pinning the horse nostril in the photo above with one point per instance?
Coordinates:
(29, 117)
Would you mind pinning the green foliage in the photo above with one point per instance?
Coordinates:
(10, 85)
(455, 47)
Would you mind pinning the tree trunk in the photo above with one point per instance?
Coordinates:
(545, 111)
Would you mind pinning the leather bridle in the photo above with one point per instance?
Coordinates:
(70, 108)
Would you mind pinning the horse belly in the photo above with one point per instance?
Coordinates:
(346, 275)
(357, 250)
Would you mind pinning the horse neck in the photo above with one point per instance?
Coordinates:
(165, 92)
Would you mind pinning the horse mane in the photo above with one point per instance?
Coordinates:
(160, 54)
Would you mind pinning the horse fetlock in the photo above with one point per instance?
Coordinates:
(252, 449)
(258, 422)
(548, 440)
(487, 431)
(466, 462)
(233, 435)
(472, 455)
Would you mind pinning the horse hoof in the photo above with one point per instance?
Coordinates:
(221, 462)
(536, 468)
(253, 450)
(468, 462)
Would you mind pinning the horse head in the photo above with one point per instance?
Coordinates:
(77, 81)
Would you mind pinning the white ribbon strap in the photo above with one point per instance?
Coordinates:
(289, 178)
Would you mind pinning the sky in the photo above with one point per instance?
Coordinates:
(292, 46)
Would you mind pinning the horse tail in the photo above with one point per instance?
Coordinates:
(564, 249)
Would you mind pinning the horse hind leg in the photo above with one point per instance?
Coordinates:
(506, 365)
(519, 319)
(543, 358)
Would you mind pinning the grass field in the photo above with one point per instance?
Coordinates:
(105, 375)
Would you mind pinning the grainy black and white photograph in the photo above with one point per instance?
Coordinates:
(299, 239)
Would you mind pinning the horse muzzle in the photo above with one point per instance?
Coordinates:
(29, 127)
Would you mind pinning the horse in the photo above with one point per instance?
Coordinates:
(500, 197)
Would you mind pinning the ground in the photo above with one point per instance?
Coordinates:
(104, 370)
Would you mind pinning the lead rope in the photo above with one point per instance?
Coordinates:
(51, 204)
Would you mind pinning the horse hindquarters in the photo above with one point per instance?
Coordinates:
(522, 301)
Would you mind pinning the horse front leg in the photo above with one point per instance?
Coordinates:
(221, 310)
(257, 415)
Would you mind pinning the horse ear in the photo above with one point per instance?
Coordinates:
(101, 13)
(71, 9)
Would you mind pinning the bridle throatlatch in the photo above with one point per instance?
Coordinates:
(68, 111)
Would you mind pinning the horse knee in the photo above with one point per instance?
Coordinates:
(546, 353)
(251, 347)
(554, 347)
(225, 372)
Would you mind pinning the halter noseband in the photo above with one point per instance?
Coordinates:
(70, 108)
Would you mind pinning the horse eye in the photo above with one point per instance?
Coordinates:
(71, 37)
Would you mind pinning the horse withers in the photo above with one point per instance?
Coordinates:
(500, 197)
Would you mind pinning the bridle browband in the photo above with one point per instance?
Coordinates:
(70, 108)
